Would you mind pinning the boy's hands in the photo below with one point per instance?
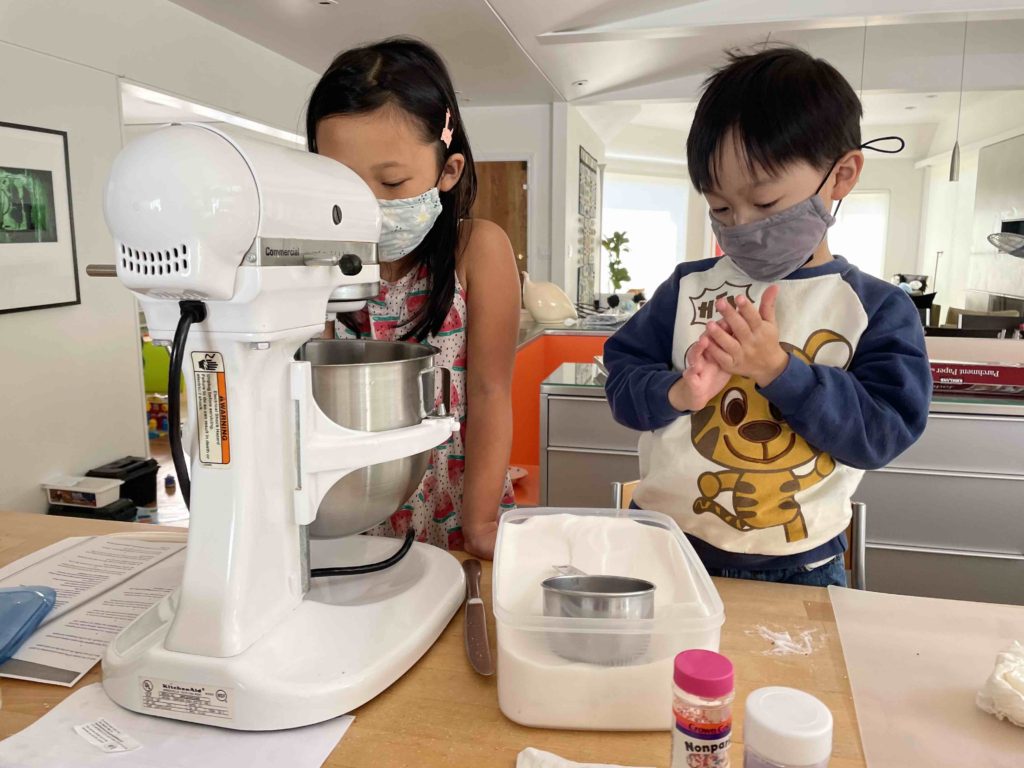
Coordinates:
(702, 379)
(746, 342)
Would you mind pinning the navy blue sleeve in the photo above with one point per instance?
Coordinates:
(639, 359)
(869, 414)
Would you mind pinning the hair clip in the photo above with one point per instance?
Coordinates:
(446, 132)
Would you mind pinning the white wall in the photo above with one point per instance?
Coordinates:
(987, 118)
(948, 217)
(570, 131)
(999, 196)
(947, 222)
(161, 45)
(515, 133)
(658, 146)
(75, 399)
(71, 377)
(905, 185)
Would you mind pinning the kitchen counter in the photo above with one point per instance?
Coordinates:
(587, 380)
(530, 330)
(921, 540)
(442, 714)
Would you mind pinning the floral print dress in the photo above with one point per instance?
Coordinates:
(435, 509)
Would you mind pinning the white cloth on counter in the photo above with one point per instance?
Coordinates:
(1003, 693)
(535, 758)
(52, 742)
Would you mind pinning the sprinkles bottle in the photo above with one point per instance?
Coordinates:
(702, 709)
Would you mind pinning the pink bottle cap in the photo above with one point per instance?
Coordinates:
(704, 673)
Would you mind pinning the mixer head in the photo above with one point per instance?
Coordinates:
(190, 206)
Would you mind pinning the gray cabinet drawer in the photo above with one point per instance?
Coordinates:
(577, 479)
(587, 423)
(976, 513)
(968, 444)
(945, 574)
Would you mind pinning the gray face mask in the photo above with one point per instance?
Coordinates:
(776, 247)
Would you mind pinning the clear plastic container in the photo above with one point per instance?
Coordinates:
(538, 687)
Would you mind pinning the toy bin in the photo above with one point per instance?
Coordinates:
(138, 476)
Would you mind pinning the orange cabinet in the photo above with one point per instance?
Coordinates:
(534, 362)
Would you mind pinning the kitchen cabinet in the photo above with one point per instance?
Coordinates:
(945, 519)
(541, 349)
(583, 450)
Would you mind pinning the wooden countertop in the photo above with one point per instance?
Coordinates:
(442, 714)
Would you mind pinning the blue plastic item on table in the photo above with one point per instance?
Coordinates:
(22, 609)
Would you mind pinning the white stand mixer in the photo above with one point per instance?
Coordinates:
(267, 239)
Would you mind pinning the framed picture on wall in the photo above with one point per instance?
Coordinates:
(588, 185)
(38, 263)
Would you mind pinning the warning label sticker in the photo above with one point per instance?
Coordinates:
(212, 407)
(186, 698)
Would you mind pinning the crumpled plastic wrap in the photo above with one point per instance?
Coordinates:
(1003, 693)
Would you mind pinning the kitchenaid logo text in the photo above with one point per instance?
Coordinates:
(182, 689)
(279, 252)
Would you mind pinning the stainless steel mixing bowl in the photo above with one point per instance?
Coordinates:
(372, 386)
(599, 597)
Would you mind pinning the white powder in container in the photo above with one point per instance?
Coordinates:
(536, 687)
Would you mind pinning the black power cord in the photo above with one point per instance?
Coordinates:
(358, 570)
(191, 312)
(195, 312)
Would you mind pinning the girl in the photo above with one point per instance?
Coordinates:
(388, 111)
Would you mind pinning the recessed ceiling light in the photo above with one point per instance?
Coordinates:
(911, 106)
(327, 2)
(932, 96)
(580, 83)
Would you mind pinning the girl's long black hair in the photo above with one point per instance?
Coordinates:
(409, 75)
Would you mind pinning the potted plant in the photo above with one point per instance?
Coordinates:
(616, 246)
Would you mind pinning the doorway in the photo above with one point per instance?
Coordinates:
(502, 196)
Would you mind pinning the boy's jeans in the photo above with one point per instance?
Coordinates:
(831, 573)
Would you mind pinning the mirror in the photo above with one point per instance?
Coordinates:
(906, 221)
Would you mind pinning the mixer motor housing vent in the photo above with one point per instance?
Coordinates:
(171, 261)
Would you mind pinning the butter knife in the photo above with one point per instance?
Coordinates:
(478, 649)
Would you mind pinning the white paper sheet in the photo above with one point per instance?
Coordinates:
(60, 652)
(915, 666)
(52, 742)
(86, 569)
(536, 758)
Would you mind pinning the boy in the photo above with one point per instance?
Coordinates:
(766, 381)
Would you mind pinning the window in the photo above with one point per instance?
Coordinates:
(652, 212)
(860, 231)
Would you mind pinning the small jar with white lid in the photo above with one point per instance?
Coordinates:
(786, 728)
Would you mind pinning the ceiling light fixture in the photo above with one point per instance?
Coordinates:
(579, 83)
(954, 160)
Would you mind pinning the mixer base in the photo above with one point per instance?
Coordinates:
(351, 638)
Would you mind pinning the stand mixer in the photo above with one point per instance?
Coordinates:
(258, 242)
